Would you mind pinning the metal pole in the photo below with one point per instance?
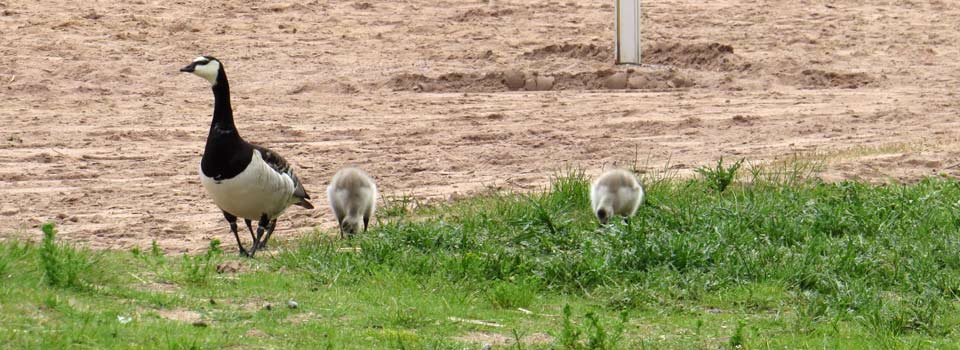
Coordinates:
(627, 27)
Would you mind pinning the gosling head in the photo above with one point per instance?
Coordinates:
(603, 214)
(351, 226)
(205, 67)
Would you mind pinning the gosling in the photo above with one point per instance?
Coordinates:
(353, 197)
(616, 192)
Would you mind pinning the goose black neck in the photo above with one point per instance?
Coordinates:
(222, 124)
(226, 154)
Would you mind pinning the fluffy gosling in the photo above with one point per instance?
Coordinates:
(353, 197)
(616, 192)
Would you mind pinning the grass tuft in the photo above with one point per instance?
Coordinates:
(63, 265)
(198, 269)
(597, 335)
(10, 253)
(738, 340)
(719, 177)
(511, 295)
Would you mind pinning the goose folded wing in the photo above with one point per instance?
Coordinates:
(281, 166)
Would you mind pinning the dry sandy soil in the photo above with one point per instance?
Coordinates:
(101, 133)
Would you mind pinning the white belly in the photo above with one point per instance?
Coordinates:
(256, 191)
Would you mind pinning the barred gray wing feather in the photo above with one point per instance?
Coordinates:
(280, 165)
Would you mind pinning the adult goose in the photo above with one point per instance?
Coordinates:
(245, 180)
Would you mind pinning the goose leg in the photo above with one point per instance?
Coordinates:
(366, 217)
(272, 224)
(233, 227)
(250, 227)
(261, 228)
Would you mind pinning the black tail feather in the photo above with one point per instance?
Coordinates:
(304, 203)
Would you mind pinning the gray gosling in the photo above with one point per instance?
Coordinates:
(616, 192)
(353, 197)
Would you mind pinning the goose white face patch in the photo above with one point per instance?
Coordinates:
(208, 71)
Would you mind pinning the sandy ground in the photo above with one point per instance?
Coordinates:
(100, 132)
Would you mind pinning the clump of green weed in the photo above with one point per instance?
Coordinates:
(407, 318)
(570, 333)
(720, 177)
(570, 187)
(895, 316)
(597, 336)
(155, 259)
(326, 262)
(507, 295)
(63, 265)
(197, 269)
(517, 339)
(4, 263)
(738, 339)
(10, 253)
(811, 309)
(792, 171)
(155, 250)
(396, 206)
(400, 315)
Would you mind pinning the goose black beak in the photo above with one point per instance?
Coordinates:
(189, 68)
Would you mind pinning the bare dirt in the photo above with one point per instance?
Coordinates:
(100, 133)
(500, 340)
(181, 315)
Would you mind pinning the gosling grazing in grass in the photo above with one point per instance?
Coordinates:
(616, 192)
(244, 180)
(353, 197)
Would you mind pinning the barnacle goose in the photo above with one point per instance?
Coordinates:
(353, 196)
(244, 180)
(615, 192)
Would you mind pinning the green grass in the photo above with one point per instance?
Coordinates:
(774, 261)
(719, 177)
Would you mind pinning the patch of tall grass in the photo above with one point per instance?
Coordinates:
(841, 250)
(64, 265)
